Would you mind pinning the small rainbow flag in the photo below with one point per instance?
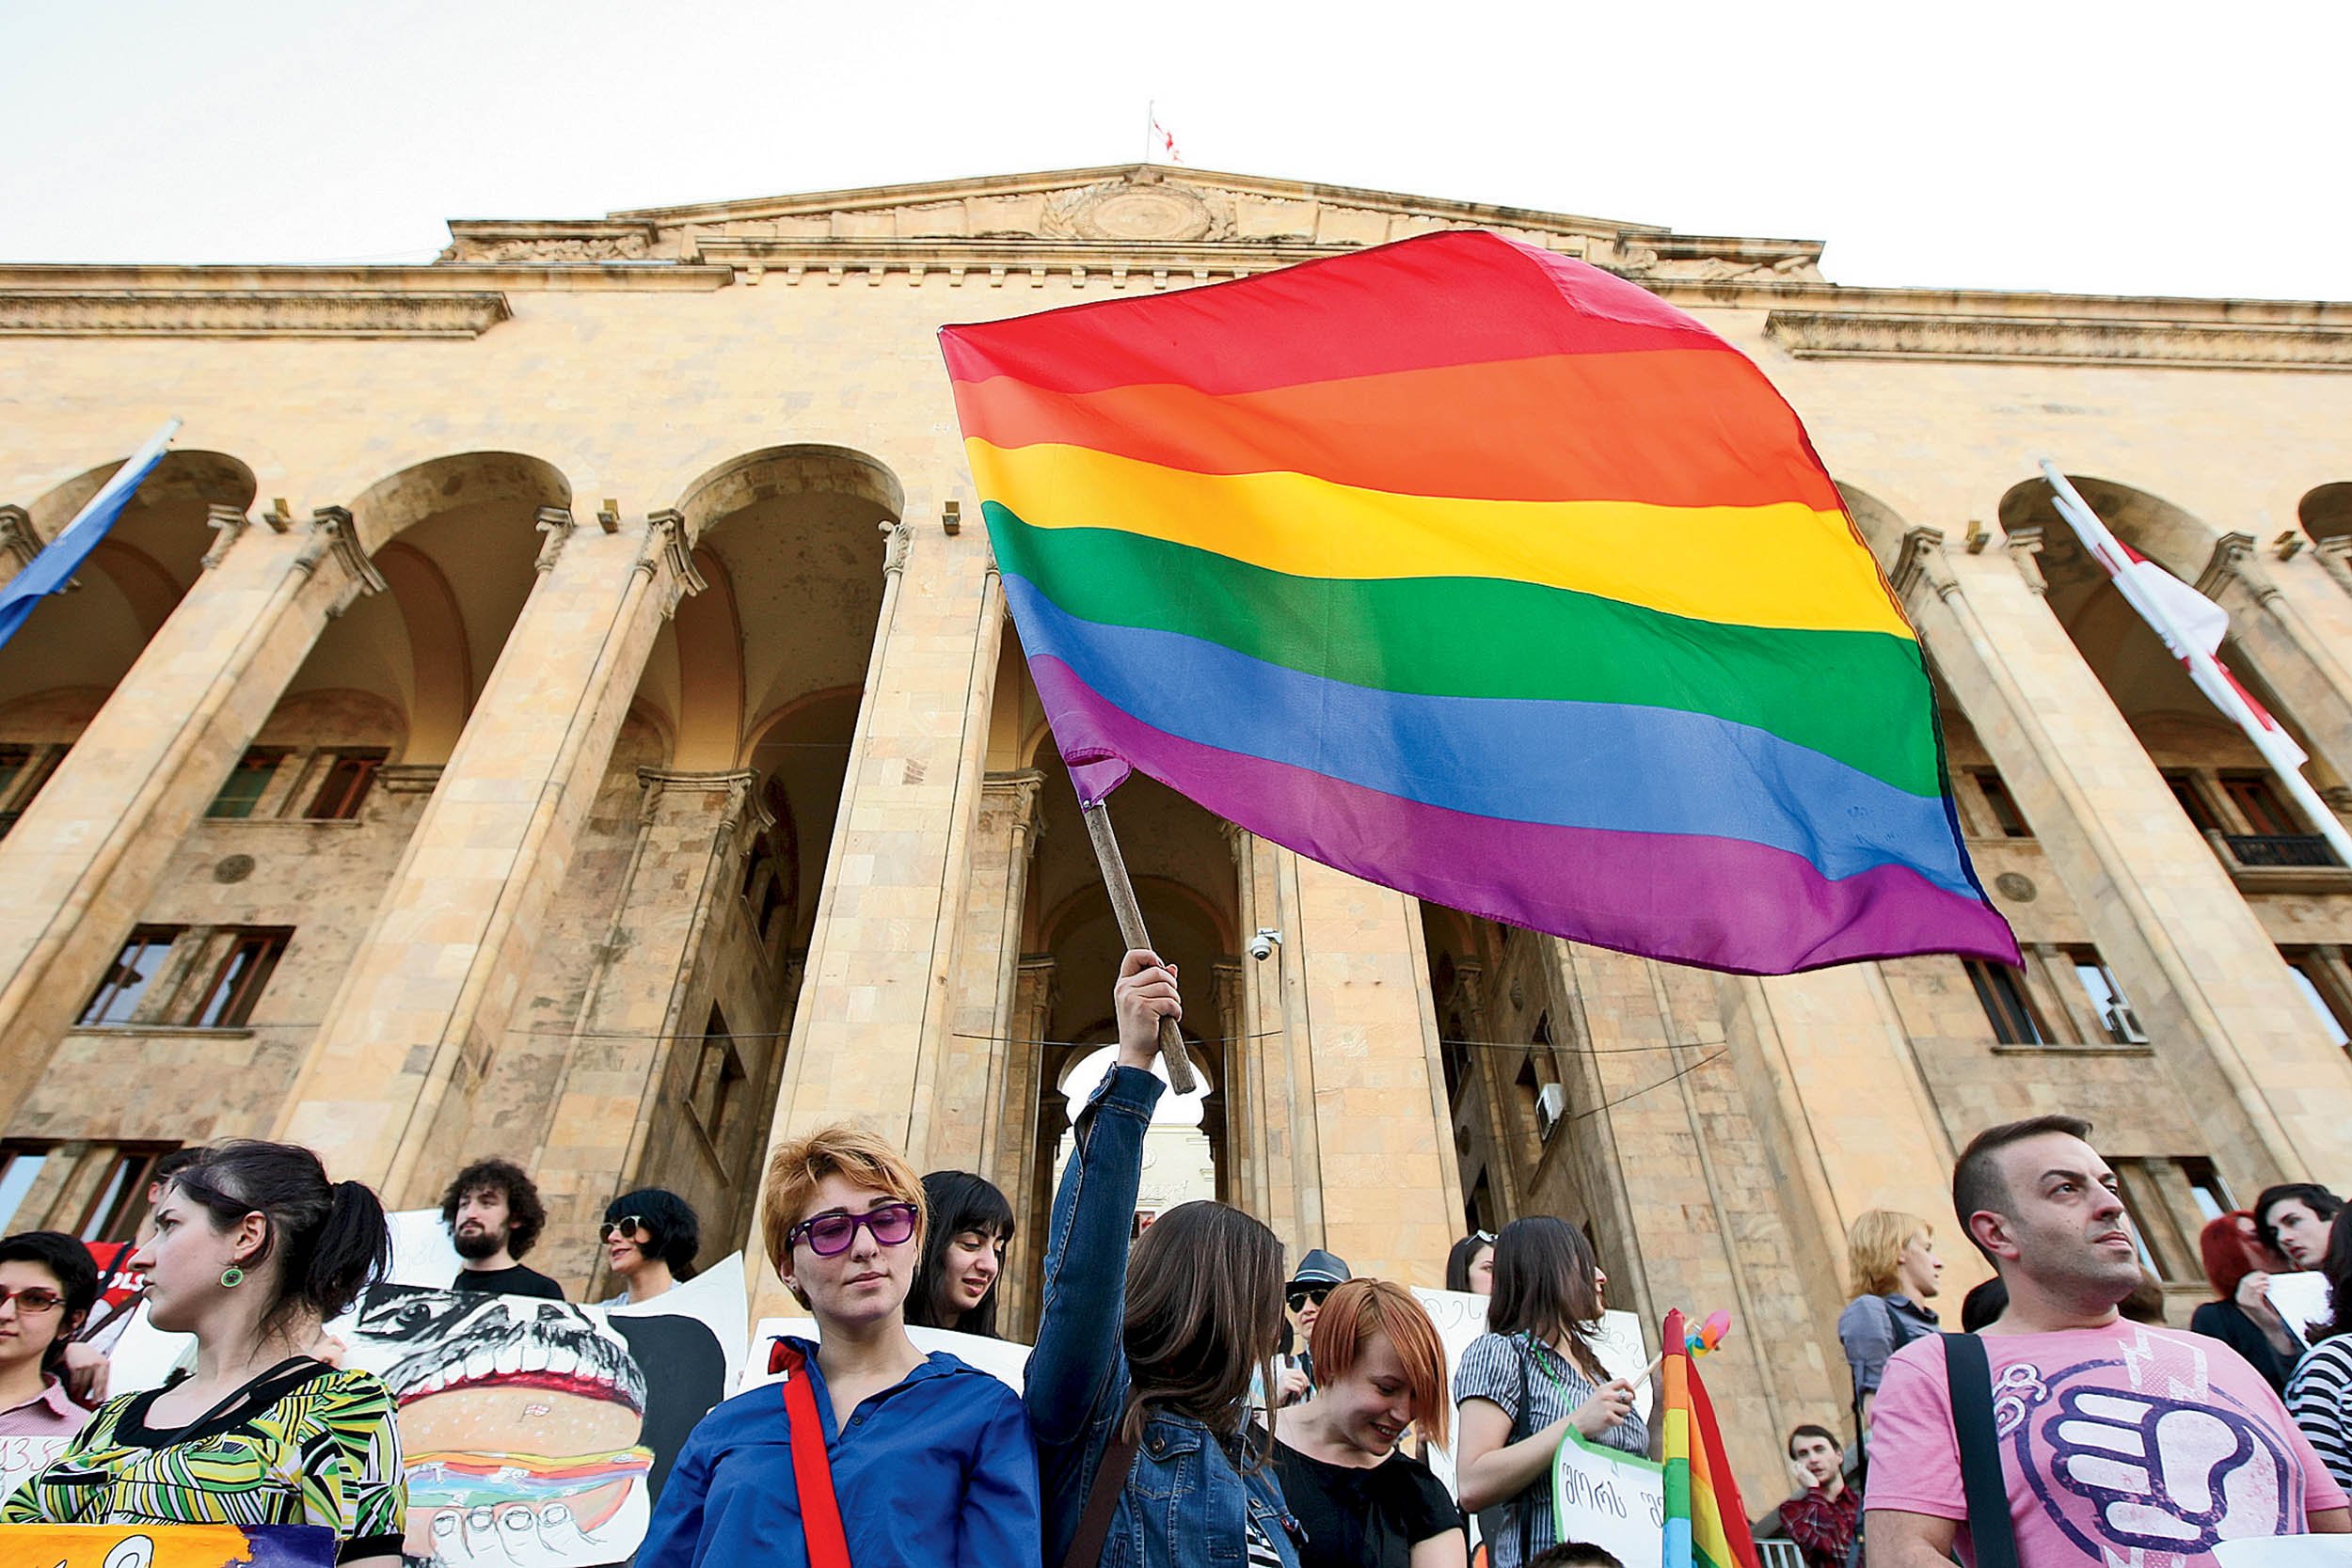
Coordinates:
(1706, 1526)
(1481, 573)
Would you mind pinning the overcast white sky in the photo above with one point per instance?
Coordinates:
(2066, 144)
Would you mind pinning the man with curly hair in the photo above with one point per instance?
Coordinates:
(494, 1215)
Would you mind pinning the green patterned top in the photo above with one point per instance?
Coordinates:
(303, 1444)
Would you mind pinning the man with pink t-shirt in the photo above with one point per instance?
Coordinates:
(2119, 1442)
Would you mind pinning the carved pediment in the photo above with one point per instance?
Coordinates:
(1146, 216)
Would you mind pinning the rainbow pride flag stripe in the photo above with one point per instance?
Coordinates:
(1706, 1525)
(1483, 574)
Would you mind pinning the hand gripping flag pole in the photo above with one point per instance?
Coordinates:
(2192, 627)
(1122, 891)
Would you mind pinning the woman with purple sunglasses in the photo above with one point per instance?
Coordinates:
(930, 1459)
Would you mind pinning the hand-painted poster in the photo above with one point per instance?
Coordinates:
(167, 1546)
(22, 1456)
(538, 1434)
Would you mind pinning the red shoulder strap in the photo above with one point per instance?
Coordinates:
(812, 1471)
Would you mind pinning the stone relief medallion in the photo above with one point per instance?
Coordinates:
(2012, 884)
(232, 868)
(1127, 209)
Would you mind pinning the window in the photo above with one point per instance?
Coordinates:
(253, 772)
(348, 776)
(1997, 800)
(228, 998)
(129, 976)
(2191, 794)
(2265, 813)
(116, 1209)
(2007, 1006)
(717, 1079)
(2205, 1188)
(2106, 995)
(22, 770)
(2311, 978)
(19, 1169)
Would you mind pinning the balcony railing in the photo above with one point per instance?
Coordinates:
(2280, 849)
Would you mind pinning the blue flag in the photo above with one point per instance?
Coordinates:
(63, 556)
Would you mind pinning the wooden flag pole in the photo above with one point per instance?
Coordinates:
(1179, 1074)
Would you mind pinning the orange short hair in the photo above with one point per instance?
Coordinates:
(800, 1165)
(1356, 1312)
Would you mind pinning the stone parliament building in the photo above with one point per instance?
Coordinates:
(557, 702)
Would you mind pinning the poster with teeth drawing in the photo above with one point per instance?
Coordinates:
(537, 1433)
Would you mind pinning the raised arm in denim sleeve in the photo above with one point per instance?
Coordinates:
(1866, 1329)
(1086, 1258)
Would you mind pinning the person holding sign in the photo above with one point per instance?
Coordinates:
(870, 1452)
(2241, 1315)
(1138, 1388)
(1381, 1369)
(253, 1249)
(1531, 1376)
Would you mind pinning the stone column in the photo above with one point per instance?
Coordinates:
(691, 834)
(2205, 980)
(84, 859)
(979, 1054)
(1390, 1190)
(1024, 1178)
(384, 1092)
(2282, 646)
(867, 1037)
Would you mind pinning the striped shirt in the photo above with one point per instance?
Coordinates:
(1495, 1367)
(2319, 1396)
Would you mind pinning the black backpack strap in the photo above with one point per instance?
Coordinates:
(1991, 1530)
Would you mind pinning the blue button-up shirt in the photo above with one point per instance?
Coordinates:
(936, 1471)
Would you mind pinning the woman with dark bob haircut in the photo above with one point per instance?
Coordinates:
(1528, 1379)
(650, 1237)
(963, 1254)
(253, 1249)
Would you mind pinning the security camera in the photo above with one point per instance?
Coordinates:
(1262, 945)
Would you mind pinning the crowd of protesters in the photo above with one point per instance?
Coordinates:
(1189, 1398)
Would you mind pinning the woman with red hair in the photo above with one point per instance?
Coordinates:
(2241, 1316)
(1379, 1369)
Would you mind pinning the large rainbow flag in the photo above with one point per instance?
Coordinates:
(1483, 574)
(1706, 1525)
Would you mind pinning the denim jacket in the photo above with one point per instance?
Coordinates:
(1185, 1499)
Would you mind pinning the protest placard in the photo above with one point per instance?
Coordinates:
(1611, 1499)
(168, 1546)
(2301, 1298)
(20, 1456)
(538, 1434)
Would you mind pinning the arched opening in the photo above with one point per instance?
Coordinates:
(455, 540)
(2326, 512)
(1186, 886)
(76, 646)
(764, 671)
(1502, 1084)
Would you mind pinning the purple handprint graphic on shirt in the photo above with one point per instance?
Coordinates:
(2165, 1474)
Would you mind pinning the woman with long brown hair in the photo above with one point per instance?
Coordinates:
(1534, 1374)
(1138, 1388)
(1380, 1369)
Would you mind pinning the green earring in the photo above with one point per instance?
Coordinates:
(232, 1276)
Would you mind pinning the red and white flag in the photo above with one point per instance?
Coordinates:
(1163, 142)
(2191, 625)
